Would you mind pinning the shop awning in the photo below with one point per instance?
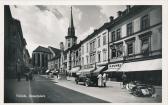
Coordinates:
(99, 69)
(86, 71)
(75, 69)
(147, 65)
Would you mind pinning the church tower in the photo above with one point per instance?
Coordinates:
(71, 39)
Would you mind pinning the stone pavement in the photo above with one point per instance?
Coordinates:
(112, 93)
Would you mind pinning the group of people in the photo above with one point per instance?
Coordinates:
(102, 78)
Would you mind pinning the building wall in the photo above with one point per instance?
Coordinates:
(103, 49)
(155, 27)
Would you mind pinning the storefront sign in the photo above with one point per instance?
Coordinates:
(114, 66)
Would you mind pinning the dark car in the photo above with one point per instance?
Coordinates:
(87, 79)
(140, 89)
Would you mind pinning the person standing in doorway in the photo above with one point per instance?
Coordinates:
(100, 80)
(104, 79)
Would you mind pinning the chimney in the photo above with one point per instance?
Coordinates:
(111, 18)
(119, 13)
(128, 8)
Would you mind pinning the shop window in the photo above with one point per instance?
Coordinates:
(145, 23)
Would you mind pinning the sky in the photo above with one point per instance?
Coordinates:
(47, 25)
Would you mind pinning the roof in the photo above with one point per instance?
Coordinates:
(42, 49)
(126, 15)
(56, 51)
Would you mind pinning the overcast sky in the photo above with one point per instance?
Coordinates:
(47, 25)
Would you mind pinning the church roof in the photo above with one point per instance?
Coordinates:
(55, 50)
(42, 49)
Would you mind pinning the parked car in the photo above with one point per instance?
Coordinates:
(87, 79)
(140, 89)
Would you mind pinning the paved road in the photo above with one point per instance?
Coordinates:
(41, 90)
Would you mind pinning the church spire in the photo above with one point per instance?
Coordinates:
(71, 19)
(71, 29)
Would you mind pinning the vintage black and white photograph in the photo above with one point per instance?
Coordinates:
(82, 53)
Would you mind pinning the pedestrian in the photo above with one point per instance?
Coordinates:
(100, 80)
(124, 79)
(104, 79)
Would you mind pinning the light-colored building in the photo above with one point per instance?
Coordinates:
(135, 44)
(94, 51)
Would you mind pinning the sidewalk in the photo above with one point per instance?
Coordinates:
(17, 91)
(112, 93)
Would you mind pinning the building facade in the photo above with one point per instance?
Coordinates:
(54, 62)
(135, 41)
(14, 45)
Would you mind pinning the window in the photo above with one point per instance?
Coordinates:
(104, 40)
(130, 48)
(87, 48)
(145, 46)
(113, 53)
(119, 50)
(87, 58)
(82, 61)
(129, 29)
(113, 36)
(118, 34)
(145, 22)
(104, 56)
(98, 57)
(98, 41)
(69, 43)
(82, 49)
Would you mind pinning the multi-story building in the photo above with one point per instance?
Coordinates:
(94, 51)
(14, 44)
(135, 44)
(54, 62)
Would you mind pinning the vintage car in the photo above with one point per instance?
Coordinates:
(140, 89)
(86, 79)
